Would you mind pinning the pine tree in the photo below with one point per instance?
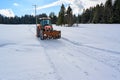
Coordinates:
(79, 18)
(98, 14)
(108, 11)
(92, 10)
(1, 19)
(85, 16)
(61, 16)
(70, 19)
(116, 10)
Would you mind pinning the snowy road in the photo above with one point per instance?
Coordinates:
(87, 52)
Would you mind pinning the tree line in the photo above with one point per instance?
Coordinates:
(26, 19)
(101, 13)
(107, 13)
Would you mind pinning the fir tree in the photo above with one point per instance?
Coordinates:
(85, 16)
(98, 14)
(61, 16)
(108, 11)
(70, 20)
(116, 10)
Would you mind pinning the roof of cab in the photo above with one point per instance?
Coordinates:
(44, 18)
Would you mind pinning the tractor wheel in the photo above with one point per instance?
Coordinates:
(41, 35)
(38, 32)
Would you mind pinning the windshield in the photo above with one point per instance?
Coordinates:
(45, 22)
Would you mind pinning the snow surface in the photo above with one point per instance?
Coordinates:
(87, 52)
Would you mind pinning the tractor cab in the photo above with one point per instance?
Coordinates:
(45, 22)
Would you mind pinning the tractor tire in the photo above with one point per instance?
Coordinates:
(38, 32)
(41, 35)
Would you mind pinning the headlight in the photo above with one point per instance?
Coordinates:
(45, 35)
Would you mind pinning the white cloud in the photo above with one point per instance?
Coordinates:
(7, 12)
(49, 5)
(77, 5)
(15, 4)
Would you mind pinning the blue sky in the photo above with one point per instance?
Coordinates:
(22, 7)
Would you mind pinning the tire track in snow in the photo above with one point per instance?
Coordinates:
(68, 56)
(7, 44)
(66, 63)
(92, 47)
(77, 44)
(75, 62)
(58, 77)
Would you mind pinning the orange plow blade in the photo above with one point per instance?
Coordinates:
(52, 34)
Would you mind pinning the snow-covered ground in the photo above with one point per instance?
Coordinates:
(87, 52)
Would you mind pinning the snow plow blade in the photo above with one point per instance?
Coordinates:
(52, 34)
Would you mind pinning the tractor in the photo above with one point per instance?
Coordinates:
(45, 30)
